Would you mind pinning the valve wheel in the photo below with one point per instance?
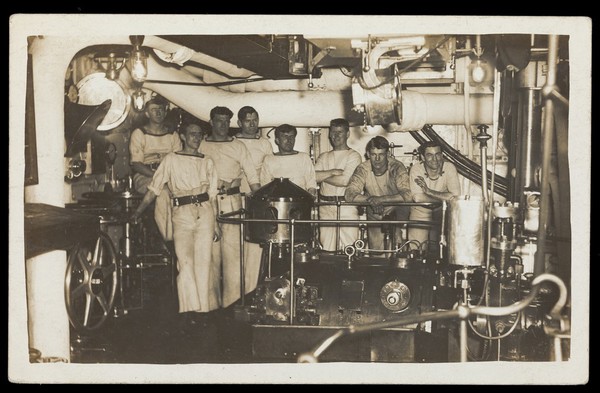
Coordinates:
(91, 283)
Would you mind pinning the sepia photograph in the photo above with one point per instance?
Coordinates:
(299, 199)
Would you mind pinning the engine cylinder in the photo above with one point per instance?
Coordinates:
(280, 199)
(465, 231)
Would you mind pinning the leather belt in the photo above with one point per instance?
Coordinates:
(231, 191)
(186, 200)
(332, 198)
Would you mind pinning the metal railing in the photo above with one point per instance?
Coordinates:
(230, 218)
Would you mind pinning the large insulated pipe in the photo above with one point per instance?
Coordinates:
(331, 79)
(419, 109)
(302, 109)
(310, 108)
(172, 49)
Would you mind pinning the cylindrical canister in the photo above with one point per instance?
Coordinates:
(465, 231)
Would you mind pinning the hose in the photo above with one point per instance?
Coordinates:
(430, 132)
(466, 169)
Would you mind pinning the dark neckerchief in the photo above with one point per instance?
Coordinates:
(198, 155)
(239, 136)
(207, 140)
(165, 129)
(283, 155)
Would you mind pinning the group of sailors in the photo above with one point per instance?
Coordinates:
(193, 176)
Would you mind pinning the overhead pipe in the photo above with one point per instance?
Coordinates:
(331, 79)
(419, 109)
(169, 49)
(306, 109)
(311, 108)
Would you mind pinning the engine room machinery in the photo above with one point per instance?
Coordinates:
(409, 302)
(306, 300)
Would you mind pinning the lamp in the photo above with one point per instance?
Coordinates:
(478, 72)
(111, 65)
(137, 60)
(139, 101)
(478, 69)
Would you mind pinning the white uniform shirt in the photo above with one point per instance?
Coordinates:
(347, 160)
(296, 167)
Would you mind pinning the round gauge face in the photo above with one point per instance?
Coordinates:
(95, 88)
(395, 296)
(533, 200)
(111, 153)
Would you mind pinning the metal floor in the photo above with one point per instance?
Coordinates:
(157, 334)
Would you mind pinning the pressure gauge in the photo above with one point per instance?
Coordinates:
(533, 200)
(111, 153)
(395, 296)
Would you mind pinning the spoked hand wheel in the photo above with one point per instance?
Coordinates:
(91, 283)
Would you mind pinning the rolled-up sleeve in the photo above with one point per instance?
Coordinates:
(136, 146)
(161, 176)
(402, 180)
(356, 184)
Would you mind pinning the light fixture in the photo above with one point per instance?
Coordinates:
(139, 101)
(478, 72)
(137, 60)
(111, 65)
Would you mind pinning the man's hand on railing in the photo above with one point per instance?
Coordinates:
(377, 203)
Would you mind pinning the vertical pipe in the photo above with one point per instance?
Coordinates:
(270, 257)
(495, 118)
(467, 96)
(337, 226)
(530, 131)
(442, 229)
(463, 340)
(548, 135)
(242, 264)
(484, 179)
(292, 291)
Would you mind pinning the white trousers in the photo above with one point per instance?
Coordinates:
(198, 281)
(163, 210)
(230, 254)
(348, 234)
